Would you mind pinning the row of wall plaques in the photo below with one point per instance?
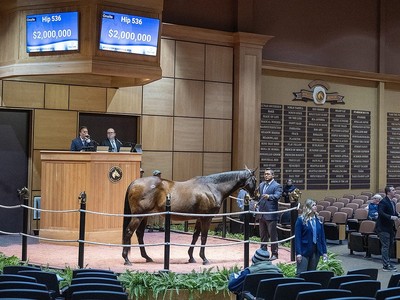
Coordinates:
(319, 148)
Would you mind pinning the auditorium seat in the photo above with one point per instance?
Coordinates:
(371, 272)
(251, 282)
(267, 287)
(289, 291)
(336, 229)
(363, 288)
(336, 281)
(318, 276)
(326, 215)
(358, 240)
(323, 294)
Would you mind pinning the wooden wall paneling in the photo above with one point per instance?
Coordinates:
(157, 133)
(216, 163)
(218, 100)
(126, 100)
(219, 63)
(112, 192)
(158, 97)
(23, 94)
(189, 98)
(88, 98)
(36, 170)
(187, 165)
(56, 96)
(67, 191)
(188, 134)
(218, 135)
(9, 39)
(189, 62)
(167, 58)
(157, 161)
(53, 129)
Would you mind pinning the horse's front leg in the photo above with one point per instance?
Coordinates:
(140, 234)
(205, 225)
(126, 237)
(196, 234)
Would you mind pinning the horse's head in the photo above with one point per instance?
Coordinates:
(251, 182)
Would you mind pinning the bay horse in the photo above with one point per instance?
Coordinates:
(199, 195)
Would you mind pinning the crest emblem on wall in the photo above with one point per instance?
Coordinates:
(115, 174)
(318, 94)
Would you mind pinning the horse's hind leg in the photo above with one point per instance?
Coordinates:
(140, 234)
(205, 225)
(196, 234)
(126, 238)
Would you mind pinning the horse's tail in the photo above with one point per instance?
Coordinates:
(127, 211)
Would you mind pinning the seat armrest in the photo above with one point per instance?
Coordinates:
(248, 295)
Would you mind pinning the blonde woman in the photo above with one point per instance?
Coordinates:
(310, 240)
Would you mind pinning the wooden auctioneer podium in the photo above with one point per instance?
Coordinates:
(103, 176)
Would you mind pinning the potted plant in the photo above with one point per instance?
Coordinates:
(207, 284)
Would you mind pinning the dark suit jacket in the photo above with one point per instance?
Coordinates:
(76, 144)
(107, 142)
(304, 238)
(385, 211)
(274, 191)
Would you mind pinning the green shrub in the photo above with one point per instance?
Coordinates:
(333, 264)
(143, 284)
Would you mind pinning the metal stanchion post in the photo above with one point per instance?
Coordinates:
(246, 230)
(224, 208)
(82, 220)
(24, 197)
(293, 219)
(167, 233)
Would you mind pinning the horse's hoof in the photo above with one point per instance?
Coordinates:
(127, 263)
(206, 262)
(192, 260)
(148, 259)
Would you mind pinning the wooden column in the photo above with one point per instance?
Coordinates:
(247, 99)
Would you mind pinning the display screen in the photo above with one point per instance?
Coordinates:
(52, 32)
(128, 33)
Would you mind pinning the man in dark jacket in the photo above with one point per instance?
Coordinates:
(385, 226)
(270, 193)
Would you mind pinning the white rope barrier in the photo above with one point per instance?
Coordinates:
(270, 243)
(10, 207)
(50, 211)
(147, 215)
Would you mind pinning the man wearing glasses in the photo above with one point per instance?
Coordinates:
(111, 141)
(385, 226)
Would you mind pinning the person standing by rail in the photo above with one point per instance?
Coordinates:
(270, 193)
(310, 240)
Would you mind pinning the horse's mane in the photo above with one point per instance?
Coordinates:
(221, 177)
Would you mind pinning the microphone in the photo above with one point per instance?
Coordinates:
(119, 141)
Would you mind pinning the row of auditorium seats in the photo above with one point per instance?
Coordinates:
(26, 282)
(319, 285)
